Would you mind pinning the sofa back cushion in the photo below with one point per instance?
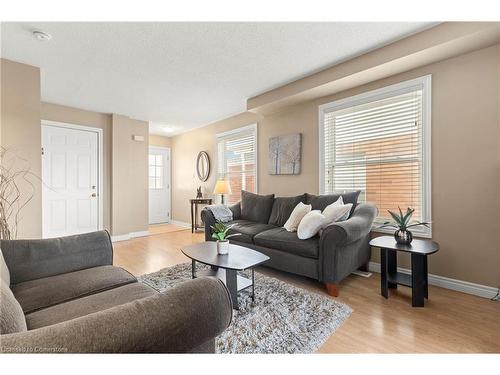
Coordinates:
(256, 208)
(12, 318)
(320, 202)
(282, 209)
(4, 270)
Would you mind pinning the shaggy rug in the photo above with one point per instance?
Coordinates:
(283, 318)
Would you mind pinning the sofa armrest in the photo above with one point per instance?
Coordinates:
(236, 210)
(34, 259)
(209, 220)
(178, 320)
(343, 246)
(356, 227)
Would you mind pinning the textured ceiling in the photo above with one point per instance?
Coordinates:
(183, 75)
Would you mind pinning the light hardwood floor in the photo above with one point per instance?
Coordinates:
(450, 321)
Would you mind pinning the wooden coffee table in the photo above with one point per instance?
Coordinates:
(226, 267)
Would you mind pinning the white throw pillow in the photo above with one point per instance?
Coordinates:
(311, 224)
(296, 216)
(334, 212)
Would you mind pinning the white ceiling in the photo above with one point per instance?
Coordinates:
(183, 75)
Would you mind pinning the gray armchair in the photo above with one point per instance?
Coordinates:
(64, 295)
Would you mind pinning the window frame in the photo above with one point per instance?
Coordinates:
(424, 83)
(243, 129)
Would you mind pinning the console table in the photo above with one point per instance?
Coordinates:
(194, 211)
(418, 279)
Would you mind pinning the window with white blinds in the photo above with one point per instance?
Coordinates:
(379, 143)
(237, 160)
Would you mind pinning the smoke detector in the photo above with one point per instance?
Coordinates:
(42, 35)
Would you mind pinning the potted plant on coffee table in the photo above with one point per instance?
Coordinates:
(219, 232)
(401, 223)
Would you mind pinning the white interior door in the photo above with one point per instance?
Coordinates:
(159, 185)
(70, 172)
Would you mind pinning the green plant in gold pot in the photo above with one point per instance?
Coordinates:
(401, 223)
(219, 233)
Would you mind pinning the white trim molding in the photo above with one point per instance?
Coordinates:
(424, 83)
(129, 236)
(180, 223)
(448, 283)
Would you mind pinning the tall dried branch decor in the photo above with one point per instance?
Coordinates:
(15, 173)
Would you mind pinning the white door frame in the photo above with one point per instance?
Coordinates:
(100, 163)
(162, 148)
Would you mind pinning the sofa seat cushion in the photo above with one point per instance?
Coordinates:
(247, 229)
(281, 239)
(48, 291)
(88, 305)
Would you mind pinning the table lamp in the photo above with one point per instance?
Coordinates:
(222, 187)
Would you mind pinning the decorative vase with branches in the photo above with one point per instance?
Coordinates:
(16, 191)
(401, 223)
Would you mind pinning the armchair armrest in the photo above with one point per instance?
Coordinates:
(34, 259)
(178, 320)
(343, 246)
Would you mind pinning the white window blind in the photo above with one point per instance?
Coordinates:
(237, 160)
(378, 143)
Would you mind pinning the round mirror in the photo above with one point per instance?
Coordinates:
(203, 166)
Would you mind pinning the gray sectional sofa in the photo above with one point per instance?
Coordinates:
(341, 248)
(64, 295)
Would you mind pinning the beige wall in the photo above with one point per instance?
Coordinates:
(20, 133)
(129, 172)
(465, 160)
(159, 141)
(125, 161)
(60, 113)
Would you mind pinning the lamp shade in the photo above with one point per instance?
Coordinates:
(222, 187)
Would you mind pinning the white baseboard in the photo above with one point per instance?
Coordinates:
(180, 223)
(128, 236)
(447, 283)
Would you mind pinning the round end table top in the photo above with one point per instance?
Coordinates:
(419, 246)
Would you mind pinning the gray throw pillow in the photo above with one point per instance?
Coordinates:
(282, 209)
(12, 318)
(256, 208)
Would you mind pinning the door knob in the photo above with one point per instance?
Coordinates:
(94, 195)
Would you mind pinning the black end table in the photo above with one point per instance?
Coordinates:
(390, 278)
(226, 267)
(194, 211)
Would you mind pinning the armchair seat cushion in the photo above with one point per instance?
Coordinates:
(247, 229)
(48, 291)
(281, 239)
(88, 305)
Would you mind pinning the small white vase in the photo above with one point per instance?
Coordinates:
(222, 247)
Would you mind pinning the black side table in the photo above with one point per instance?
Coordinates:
(194, 211)
(390, 278)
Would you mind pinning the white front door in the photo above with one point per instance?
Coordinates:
(159, 185)
(70, 173)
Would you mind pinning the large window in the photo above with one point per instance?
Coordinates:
(237, 160)
(379, 143)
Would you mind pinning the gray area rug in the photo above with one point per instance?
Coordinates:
(283, 318)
